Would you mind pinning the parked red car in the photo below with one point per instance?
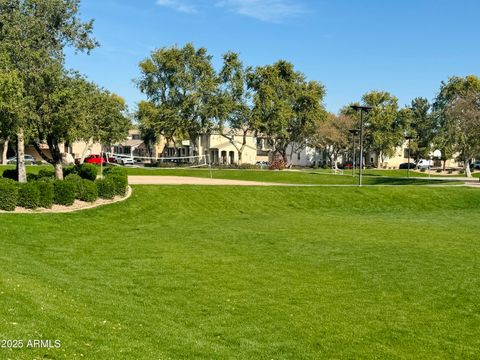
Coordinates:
(95, 159)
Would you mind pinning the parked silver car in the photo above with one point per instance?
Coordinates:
(29, 160)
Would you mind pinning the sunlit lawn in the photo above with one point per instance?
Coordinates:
(185, 272)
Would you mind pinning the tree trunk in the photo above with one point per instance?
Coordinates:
(87, 148)
(4, 152)
(468, 173)
(56, 157)
(283, 153)
(21, 168)
(59, 170)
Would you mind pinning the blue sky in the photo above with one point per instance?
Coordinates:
(406, 47)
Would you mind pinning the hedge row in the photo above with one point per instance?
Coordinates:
(44, 191)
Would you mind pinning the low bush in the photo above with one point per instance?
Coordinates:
(8, 194)
(87, 171)
(64, 192)
(10, 174)
(87, 191)
(45, 188)
(119, 177)
(28, 195)
(248, 166)
(76, 180)
(115, 170)
(163, 164)
(69, 170)
(32, 177)
(120, 182)
(106, 188)
(278, 164)
(44, 173)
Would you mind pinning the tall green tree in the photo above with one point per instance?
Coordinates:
(235, 116)
(286, 105)
(463, 114)
(182, 86)
(333, 136)
(11, 106)
(150, 126)
(422, 128)
(383, 126)
(455, 109)
(33, 35)
(105, 118)
(72, 109)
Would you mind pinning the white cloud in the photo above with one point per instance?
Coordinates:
(178, 5)
(264, 10)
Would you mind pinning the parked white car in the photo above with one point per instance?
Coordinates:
(127, 160)
(424, 164)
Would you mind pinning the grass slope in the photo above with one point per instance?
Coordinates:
(248, 273)
(312, 177)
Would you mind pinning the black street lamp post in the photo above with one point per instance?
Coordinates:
(366, 110)
(409, 138)
(354, 133)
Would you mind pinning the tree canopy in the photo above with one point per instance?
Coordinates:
(286, 105)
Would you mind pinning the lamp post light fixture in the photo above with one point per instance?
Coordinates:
(366, 110)
(409, 138)
(354, 133)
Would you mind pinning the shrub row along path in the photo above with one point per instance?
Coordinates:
(181, 180)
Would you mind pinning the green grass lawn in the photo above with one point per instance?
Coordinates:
(308, 177)
(183, 272)
(312, 177)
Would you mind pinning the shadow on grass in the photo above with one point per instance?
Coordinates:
(380, 180)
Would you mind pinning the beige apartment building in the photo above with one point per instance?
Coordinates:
(219, 149)
(400, 156)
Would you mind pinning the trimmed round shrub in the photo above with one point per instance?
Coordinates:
(247, 166)
(44, 173)
(32, 177)
(10, 174)
(67, 170)
(115, 170)
(87, 191)
(120, 182)
(28, 195)
(45, 188)
(63, 192)
(8, 194)
(120, 178)
(76, 180)
(88, 171)
(278, 164)
(106, 188)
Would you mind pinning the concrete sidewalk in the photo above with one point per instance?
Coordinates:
(184, 180)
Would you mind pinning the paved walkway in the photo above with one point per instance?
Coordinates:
(184, 180)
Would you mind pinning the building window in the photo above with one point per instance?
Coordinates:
(299, 156)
